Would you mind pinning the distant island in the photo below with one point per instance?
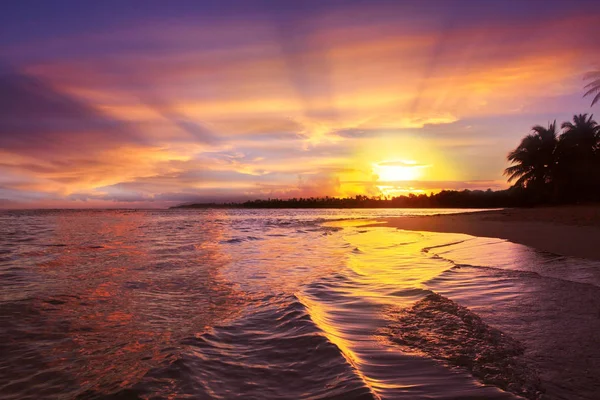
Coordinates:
(513, 197)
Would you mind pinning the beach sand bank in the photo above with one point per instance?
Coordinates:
(570, 230)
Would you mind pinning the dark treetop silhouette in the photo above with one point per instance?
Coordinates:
(533, 159)
(446, 198)
(565, 168)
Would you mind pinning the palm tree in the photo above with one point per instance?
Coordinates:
(578, 157)
(534, 159)
(593, 88)
(582, 135)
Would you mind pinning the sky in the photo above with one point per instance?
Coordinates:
(150, 104)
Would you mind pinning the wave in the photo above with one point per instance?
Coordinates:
(500, 255)
(341, 308)
(440, 246)
(275, 351)
(240, 239)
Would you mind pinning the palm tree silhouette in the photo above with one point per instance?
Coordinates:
(593, 88)
(563, 169)
(533, 159)
(578, 157)
(583, 134)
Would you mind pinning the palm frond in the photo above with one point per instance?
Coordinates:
(596, 99)
(567, 125)
(516, 168)
(591, 91)
(593, 87)
(516, 175)
(594, 83)
(524, 179)
(515, 171)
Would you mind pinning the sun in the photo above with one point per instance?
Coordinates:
(388, 174)
(394, 171)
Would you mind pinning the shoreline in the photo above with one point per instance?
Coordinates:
(569, 230)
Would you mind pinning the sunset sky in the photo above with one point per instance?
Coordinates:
(157, 103)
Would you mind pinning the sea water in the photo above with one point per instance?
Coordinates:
(271, 304)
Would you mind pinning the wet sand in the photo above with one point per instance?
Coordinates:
(569, 231)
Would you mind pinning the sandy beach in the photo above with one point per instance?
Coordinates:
(570, 231)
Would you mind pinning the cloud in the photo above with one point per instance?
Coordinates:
(37, 119)
(282, 100)
(432, 186)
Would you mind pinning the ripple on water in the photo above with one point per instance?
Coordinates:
(272, 351)
(351, 322)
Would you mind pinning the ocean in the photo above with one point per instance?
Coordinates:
(280, 304)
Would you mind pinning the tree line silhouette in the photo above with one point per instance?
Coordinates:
(444, 199)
